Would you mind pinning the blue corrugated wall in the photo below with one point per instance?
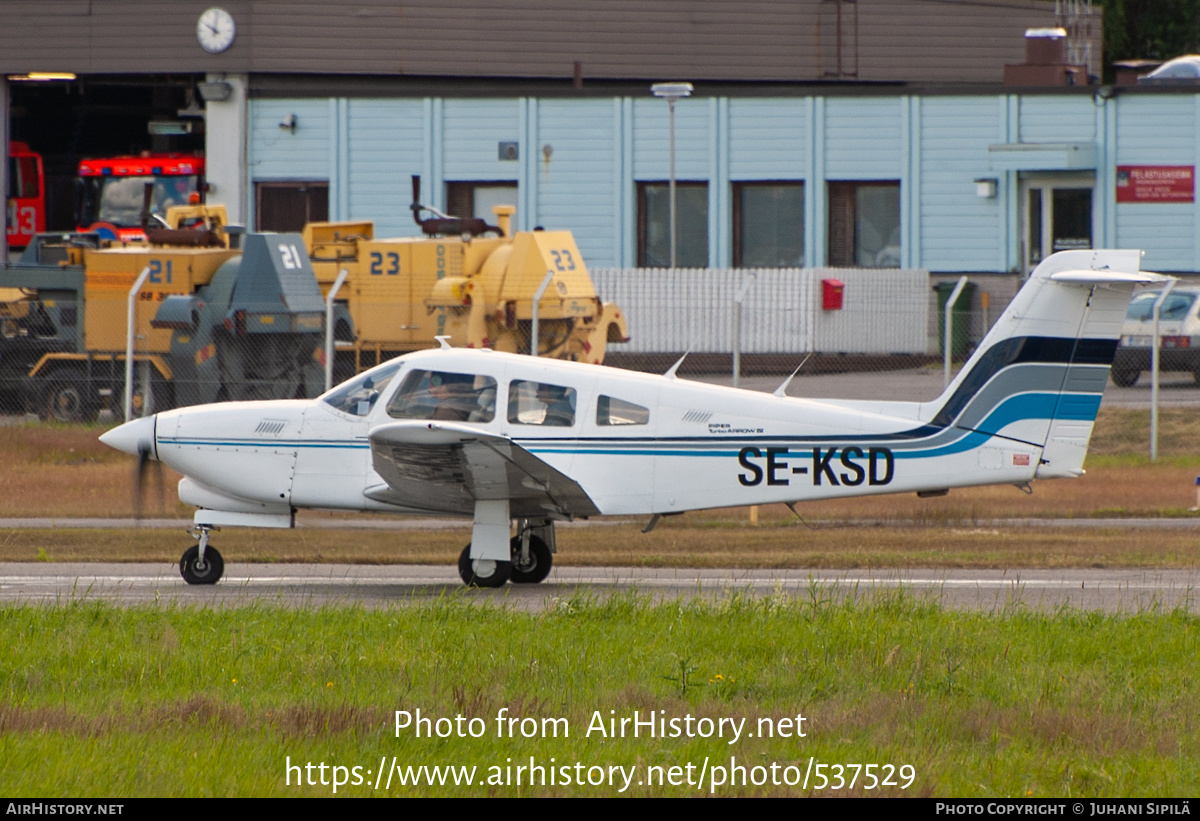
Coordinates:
(580, 160)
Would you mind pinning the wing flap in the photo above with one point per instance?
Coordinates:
(444, 467)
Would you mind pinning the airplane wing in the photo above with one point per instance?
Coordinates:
(445, 467)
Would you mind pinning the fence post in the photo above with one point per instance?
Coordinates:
(330, 353)
(129, 334)
(949, 329)
(537, 301)
(737, 329)
(1154, 368)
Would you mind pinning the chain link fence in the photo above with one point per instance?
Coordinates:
(54, 364)
(852, 334)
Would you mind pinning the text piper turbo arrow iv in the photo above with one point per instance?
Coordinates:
(503, 437)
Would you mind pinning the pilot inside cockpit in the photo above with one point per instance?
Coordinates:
(445, 396)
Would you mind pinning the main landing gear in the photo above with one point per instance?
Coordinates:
(532, 551)
(201, 563)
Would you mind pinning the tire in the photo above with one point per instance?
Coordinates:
(482, 572)
(1124, 377)
(67, 398)
(210, 573)
(537, 568)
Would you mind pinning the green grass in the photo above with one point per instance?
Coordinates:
(97, 700)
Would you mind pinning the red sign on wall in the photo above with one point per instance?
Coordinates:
(1156, 183)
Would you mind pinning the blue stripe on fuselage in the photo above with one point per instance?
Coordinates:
(1075, 407)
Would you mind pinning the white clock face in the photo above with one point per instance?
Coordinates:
(215, 30)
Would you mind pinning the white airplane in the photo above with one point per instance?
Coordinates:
(503, 437)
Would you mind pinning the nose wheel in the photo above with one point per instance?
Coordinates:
(201, 563)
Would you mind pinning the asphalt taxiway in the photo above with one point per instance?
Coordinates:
(373, 586)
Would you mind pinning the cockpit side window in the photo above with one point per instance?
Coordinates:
(358, 395)
(445, 396)
(539, 403)
(613, 411)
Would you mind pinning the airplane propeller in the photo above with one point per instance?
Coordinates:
(146, 463)
(137, 438)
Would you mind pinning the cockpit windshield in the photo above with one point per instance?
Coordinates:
(357, 396)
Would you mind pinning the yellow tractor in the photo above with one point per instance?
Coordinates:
(472, 282)
(210, 321)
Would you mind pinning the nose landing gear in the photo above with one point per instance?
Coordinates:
(201, 563)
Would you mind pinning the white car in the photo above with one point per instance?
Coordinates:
(1179, 326)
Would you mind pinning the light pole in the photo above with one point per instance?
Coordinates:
(672, 92)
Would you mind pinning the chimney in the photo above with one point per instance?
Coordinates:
(1045, 61)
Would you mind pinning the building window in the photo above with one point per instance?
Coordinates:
(691, 224)
(768, 224)
(864, 224)
(289, 206)
(475, 199)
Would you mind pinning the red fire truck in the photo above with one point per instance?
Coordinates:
(112, 191)
(26, 195)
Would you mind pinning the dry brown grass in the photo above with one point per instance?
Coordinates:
(291, 721)
(63, 470)
(677, 543)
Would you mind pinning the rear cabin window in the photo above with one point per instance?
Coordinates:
(539, 403)
(445, 396)
(613, 411)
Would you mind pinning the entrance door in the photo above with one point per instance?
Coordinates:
(1056, 214)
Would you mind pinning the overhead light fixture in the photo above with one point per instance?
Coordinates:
(671, 91)
(42, 77)
(216, 92)
(985, 188)
(169, 127)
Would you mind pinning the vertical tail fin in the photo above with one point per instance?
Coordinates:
(1038, 375)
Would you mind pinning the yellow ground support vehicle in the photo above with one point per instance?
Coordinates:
(477, 290)
(214, 322)
(210, 321)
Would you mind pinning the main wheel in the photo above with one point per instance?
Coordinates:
(482, 572)
(1124, 377)
(194, 572)
(537, 568)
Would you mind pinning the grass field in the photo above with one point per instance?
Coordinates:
(104, 701)
(719, 544)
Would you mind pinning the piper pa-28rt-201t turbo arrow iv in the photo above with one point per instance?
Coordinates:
(504, 438)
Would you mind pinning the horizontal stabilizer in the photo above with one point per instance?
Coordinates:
(1107, 277)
